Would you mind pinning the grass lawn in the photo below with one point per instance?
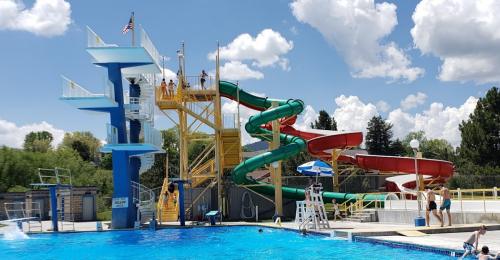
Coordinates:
(103, 216)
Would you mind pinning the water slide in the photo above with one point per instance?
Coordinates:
(292, 144)
(320, 144)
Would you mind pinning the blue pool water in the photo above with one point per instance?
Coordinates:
(198, 243)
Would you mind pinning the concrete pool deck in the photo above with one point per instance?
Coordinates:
(440, 237)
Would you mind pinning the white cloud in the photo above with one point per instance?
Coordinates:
(463, 34)
(383, 106)
(169, 75)
(13, 136)
(265, 49)
(436, 122)
(294, 30)
(235, 70)
(356, 30)
(352, 114)
(413, 101)
(46, 17)
(304, 122)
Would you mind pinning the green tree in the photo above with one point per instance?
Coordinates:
(154, 177)
(38, 141)
(481, 133)
(378, 140)
(439, 149)
(324, 122)
(84, 143)
(107, 161)
(398, 148)
(420, 137)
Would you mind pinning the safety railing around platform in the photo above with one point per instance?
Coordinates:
(148, 45)
(193, 83)
(71, 89)
(153, 136)
(230, 120)
(142, 196)
(112, 134)
(94, 41)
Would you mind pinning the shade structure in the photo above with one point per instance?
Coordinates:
(316, 168)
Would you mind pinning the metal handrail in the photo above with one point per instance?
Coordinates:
(142, 196)
(153, 136)
(71, 89)
(149, 47)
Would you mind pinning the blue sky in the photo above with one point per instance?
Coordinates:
(421, 65)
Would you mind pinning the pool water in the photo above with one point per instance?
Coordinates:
(198, 243)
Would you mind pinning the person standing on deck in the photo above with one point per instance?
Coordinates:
(337, 211)
(431, 206)
(445, 203)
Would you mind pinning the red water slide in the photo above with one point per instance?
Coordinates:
(320, 143)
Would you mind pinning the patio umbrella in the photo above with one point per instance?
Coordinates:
(316, 168)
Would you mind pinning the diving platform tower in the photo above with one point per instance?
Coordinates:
(137, 65)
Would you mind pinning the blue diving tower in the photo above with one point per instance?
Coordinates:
(138, 66)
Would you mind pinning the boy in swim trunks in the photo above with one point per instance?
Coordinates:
(473, 238)
(431, 205)
(485, 254)
(445, 203)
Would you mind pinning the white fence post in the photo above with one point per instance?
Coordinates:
(495, 194)
(256, 213)
(459, 194)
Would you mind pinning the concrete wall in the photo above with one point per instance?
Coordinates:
(401, 216)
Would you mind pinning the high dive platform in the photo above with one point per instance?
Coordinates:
(137, 65)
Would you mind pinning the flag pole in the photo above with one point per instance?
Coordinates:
(133, 30)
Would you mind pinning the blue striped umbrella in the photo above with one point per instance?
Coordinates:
(316, 168)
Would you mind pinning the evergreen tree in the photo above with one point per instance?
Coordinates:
(378, 139)
(481, 133)
(324, 122)
(398, 148)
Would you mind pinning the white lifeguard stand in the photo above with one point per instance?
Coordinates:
(305, 215)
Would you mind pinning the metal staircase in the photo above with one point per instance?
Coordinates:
(169, 210)
(203, 173)
(231, 148)
(144, 199)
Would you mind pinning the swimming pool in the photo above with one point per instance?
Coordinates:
(199, 243)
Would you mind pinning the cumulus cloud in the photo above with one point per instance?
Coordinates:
(46, 18)
(356, 29)
(264, 50)
(352, 114)
(463, 34)
(303, 122)
(413, 101)
(437, 122)
(235, 70)
(13, 136)
(383, 106)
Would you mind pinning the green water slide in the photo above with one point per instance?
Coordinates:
(291, 145)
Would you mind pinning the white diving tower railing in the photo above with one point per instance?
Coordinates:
(152, 136)
(79, 97)
(148, 45)
(94, 41)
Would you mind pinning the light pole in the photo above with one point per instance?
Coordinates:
(419, 221)
(277, 200)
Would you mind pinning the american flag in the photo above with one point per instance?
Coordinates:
(128, 26)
